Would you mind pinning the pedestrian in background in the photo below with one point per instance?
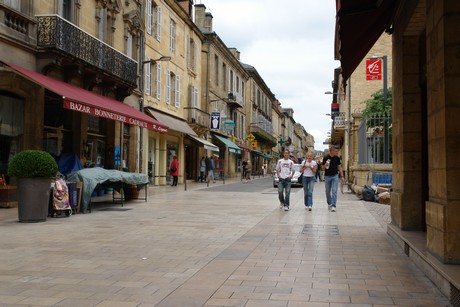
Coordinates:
(308, 169)
(247, 168)
(332, 168)
(202, 169)
(243, 169)
(285, 171)
(210, 167)
(174, 170)
(318, 170)
(273, 168)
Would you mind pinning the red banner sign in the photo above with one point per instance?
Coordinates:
(374, 69)
(75, 106)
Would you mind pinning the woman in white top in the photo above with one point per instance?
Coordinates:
(308, 169)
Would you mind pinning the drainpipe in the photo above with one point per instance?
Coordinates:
(349, 128)
(141, 100)
(208, 52)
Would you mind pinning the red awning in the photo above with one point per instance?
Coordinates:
(359, 25)
(78, 99)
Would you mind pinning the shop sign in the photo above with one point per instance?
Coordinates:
(229, 125)
(374, 69)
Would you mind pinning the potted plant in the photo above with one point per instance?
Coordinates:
(33, 170)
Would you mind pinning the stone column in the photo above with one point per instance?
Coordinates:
(407, 208)
(163, 159)
(443, 207)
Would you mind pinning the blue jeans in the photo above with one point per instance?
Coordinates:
(332, 184)
(308, 184)
(211, 175)
(284, 190)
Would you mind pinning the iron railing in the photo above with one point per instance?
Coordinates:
(339, 120)
(55, 32)
(374, 139)
(261, 131)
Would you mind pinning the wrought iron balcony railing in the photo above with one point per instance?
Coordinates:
(56, 33)
(260, 133)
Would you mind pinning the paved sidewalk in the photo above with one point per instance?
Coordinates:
(204, 247)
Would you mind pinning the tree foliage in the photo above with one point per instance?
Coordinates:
(376, 104)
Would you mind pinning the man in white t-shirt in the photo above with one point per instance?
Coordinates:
(285, 171)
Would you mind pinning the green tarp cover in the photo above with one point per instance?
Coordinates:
(91, 177)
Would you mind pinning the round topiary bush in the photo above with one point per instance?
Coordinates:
(32, 163)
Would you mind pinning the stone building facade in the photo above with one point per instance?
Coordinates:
(66, 73)
(224, 93)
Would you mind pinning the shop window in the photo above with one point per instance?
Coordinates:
(95, 147)
(56, 141)
(151, 163)
(11, 128)
(93, 123)
(95, 152)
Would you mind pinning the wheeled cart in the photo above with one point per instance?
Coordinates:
(59, 199)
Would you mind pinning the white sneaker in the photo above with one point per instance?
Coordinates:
(286, 208)
(333, 209)
(309, 208)
(281, 205)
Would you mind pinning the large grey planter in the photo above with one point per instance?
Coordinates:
(33, 199)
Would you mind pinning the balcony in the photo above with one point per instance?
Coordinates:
(56, 34)
(262, 135)
(17, 27)
(232, 102)
(197, 119)
(339, 121)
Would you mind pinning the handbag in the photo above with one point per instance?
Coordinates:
(173, 169)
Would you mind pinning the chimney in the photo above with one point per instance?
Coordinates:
(187, 5)
(202, 18)
(235, 53)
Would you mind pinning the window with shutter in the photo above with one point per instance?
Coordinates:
(168, 87)
(148, 80)
(177, 92)
(158, 81)
(158, 23)
(172, 36)
(149, 16)
(195, 97)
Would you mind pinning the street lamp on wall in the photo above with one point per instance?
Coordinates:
(153, 62)
(141, 101)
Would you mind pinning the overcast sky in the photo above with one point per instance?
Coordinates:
(291, 44)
